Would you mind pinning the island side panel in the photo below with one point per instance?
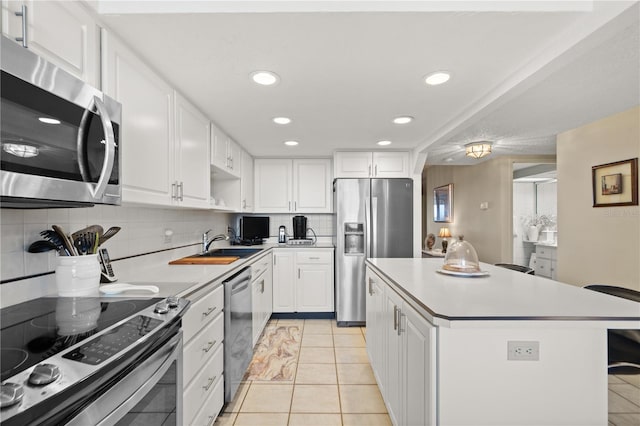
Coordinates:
(478, 385)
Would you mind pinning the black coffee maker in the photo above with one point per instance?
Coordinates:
(299, 227)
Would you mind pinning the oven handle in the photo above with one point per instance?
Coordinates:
(98, 190)
(117, 401)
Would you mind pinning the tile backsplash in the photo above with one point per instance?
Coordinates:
(143, 231)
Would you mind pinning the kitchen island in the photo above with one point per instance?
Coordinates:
(505, 349)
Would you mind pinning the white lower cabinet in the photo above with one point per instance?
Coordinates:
(546, 261)
(261, 294)
(200, 389)
(203, 357)
(375, 319)
(303, 280)
(401, 347)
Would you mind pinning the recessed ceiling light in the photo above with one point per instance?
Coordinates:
(405, 119)
(265, 78)
(437, 77)
(291, 143)
(384, 143)
(448, 159)
(48, 120)
(282, 120)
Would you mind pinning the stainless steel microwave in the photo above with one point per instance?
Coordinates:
(60, 137)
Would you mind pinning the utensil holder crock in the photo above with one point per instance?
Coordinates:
(78, 276)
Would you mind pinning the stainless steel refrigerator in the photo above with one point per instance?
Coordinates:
(374, 218)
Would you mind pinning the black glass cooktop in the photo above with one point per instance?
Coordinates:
(38, 329)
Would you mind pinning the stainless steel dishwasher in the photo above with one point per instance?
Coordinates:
(238, 344)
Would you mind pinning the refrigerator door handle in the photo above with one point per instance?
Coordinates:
(374, 227)
(367, 225)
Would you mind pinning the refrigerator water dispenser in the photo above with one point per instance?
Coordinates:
(353, 238)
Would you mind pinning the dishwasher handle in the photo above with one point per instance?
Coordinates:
(240, 281)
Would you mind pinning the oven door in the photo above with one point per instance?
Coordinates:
(151, 394)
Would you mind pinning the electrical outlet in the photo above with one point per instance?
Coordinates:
(523, 351)
(168, 235)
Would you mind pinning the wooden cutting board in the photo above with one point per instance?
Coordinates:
(205, 260)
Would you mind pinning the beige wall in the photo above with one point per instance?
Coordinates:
(597, 245)
(490, 231)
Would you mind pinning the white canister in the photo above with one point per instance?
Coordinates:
(532, 233)
(78, 276)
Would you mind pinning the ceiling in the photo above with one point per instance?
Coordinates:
(521, 71)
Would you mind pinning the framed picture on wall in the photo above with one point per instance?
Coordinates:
(443, 203)
(615, 184)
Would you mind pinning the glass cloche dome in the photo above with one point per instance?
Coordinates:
(461, 257)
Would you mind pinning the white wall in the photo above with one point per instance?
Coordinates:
(597, 245)
(142, 232)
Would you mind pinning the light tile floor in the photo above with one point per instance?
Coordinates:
(333, 384)
(624, 400)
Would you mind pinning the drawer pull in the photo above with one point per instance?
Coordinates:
(208, 348)
(208, 385)
(206, 314)
(314, 258)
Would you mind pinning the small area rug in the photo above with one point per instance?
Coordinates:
(276, 354)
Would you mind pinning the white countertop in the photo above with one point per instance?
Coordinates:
(503, 295)
(182, 280)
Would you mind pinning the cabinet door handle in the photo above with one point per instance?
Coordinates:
(369, 169)
(314, 258)
(395, 317)
(209, 346)
(173, 190)
(295, 206)
(370, 287)
(400, 315)
(23, 15)
(298, 273)
(206, 314)
(289, 205)
(262, 286)
(375, 173)
(208, 385)
(244, 204)
(181, 188)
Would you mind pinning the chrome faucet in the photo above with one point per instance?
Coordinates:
(206, 242)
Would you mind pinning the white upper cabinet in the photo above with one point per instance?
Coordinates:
(226, 154)
(312, 186)
(165, 140)
(192, 155)
(273, 185)
(353, 164)
(147, 136)
(379, 164)
(292, 186)
(62, 32)
(247, 182)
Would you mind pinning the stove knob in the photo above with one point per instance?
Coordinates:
(172, 301)
(43, 374)
(10, 394)
(161, 308)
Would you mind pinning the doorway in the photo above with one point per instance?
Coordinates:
(535, 203)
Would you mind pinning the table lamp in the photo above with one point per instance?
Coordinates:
(444, 234)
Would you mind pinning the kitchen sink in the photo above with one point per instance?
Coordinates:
(223, 252)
